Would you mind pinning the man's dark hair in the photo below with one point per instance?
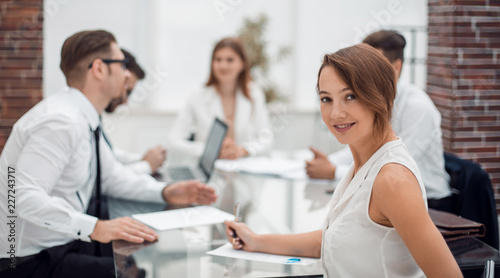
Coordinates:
(133, 67)
(391, 42)
(80, 50)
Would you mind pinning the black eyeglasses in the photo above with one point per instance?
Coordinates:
(109, 61)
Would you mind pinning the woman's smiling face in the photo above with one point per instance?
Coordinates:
(346, 118)
(227, 65)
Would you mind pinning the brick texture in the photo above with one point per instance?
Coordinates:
(463, 79)
(21, 60)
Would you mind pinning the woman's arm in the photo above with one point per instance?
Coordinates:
(397, 201)
(303, 245)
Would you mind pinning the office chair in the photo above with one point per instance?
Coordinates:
(475, 199)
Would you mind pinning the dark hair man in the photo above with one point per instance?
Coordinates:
(56, 157)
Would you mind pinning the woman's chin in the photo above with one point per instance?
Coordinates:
(341, 139)
(226, 79)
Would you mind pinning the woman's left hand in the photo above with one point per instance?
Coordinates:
(230, 150)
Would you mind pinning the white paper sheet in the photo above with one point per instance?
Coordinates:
(227, 250)
(260, 165)
(271, 166)
(181, 218)
(291, 169)
(300, 175)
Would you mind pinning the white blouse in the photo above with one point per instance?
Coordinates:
(353, 245)
(251, 124)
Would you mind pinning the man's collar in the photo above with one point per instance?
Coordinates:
(86, 107)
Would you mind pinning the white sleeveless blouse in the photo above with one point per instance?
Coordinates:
(355, 246)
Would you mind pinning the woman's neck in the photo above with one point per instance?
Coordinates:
(361, 152)
(226, 89)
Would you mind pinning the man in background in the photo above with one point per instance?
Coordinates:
(415, 119)
(154, 157)
(56, 161)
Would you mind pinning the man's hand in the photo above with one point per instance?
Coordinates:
(230, 150)
(189, 192)
(320, 167)
(124, 228)
(155, 157)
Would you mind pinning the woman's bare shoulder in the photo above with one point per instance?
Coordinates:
(394, 179)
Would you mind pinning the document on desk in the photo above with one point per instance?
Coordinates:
(227, 250)
(260, 165)
(182, 218)
(291, 169)
(301, 175)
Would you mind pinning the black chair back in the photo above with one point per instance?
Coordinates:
(474, 198)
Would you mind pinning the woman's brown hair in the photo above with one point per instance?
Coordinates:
(370, 77)
(244, 78)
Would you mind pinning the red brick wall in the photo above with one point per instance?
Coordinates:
(463, 79)
(21, 60)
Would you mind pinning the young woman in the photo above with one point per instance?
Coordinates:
(377, 224)
(230, 96)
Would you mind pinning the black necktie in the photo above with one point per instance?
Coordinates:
(98, 199)
(98, 175)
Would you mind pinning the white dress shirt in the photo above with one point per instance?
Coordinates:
(251, 123)
(132, 161)
(52, 149)
(417, 121)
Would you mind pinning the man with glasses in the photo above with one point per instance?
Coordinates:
(57, 161)
(154, 157)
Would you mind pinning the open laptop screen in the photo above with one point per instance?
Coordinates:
(213, 146)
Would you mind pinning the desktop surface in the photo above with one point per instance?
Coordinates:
(268, 205)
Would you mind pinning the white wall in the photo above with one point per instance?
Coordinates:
(173, 41)
(124, 18)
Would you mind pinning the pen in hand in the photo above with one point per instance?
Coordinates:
(236, 219)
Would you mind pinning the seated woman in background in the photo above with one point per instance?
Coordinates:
(377, 224)
(230, 96)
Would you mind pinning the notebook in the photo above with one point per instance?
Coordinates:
(205, 165)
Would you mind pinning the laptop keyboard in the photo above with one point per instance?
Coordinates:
(181, 174)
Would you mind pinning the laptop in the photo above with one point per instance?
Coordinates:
(205, 165)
